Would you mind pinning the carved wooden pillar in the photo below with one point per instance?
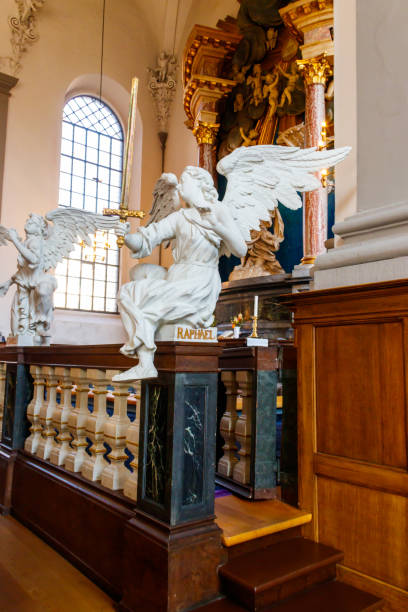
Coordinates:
(115, 428)
(34, 409)
(77, 421)
(60, 418)
(94, 465)
(132, 442)
(206, 84)
(243, 427)
(315, 72)
(46, 413)
(227, 426)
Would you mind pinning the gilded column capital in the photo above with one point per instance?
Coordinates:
(206, 133)
(316, 70)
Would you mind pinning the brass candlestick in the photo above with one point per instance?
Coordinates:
(254, 327)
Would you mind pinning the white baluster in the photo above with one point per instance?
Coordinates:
(115, 474)
(60, 418)
(34, 409)
(94, 465)
(46, 412)
(77, 421)
(132, 442)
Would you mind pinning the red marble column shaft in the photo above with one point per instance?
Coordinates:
(207, 159)
(315, 202)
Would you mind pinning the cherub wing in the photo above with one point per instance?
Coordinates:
(261, 176)
(166, 199)
(71, 226)
(3, 235)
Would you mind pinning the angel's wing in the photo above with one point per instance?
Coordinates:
(165, 199)
(71, 226)
(261, 176)
(3, 235)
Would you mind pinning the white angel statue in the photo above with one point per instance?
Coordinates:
(44, 247)
(202, 231)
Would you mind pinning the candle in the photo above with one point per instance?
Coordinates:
(256, 306)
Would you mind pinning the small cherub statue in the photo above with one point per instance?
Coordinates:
(271, 90)
(239, 102)
(238, 74)
(162, 64)
(292, 77)
(251, 139)
(255, 82)
(271, 38)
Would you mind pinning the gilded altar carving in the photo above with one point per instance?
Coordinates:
(316, 70)
(23, 34)
(260, 259)
(206, 133)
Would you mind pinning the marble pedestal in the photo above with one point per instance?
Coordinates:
(17, 395)
(173, 542)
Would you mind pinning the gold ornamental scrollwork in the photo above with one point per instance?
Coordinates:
(316, 70)
(206, 133)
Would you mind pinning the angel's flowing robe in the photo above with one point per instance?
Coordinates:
(189, 290)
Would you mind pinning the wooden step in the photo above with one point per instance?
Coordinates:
(261, 578)
(221, 605)
(243, 521)
(329, 597)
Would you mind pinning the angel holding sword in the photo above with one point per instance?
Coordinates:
(186, 293)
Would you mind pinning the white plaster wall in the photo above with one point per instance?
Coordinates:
(345, 98)
(65, 58)
(382, 89)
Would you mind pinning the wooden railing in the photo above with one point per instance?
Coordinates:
(247, 404)
(80, 421)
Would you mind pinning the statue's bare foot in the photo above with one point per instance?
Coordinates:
(136, 373)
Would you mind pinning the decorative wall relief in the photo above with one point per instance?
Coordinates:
(23, 34)
(162, 85)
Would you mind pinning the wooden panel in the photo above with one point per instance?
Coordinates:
(396, 599)
(371, 527)
(307, 426)
(82, 521)
(360, 390)
(390, 480)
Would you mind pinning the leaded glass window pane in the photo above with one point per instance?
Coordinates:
(90, 179)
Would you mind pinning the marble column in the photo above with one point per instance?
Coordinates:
(206, 136)
(315, 72)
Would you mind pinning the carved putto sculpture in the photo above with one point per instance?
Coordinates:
(44, 247)
(202, 231)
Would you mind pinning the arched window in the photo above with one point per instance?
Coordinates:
(90, 178)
